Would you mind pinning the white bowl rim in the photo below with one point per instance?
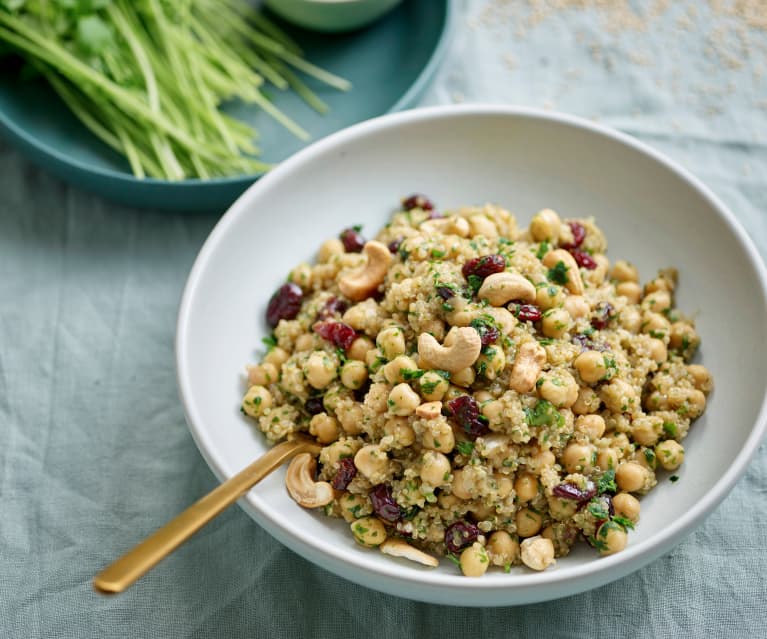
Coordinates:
(635, 556)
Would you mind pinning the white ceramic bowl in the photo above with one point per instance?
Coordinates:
(653, 213)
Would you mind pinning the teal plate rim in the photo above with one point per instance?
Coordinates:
(406, 100)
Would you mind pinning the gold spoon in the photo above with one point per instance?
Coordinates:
(136, 562)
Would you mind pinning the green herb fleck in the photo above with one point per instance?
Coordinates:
(674, 478)
(544, 413)
(270, 341)
(409, 374)
(542, 249)
(606, 483)
(558, 273)
(465, 448)
(670, 429)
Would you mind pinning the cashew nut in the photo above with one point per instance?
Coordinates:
(429, 410)
(301, 485)
(500, 288)
(461, 351)
(574, 282)
(527, 367)
(362, 283)
(399, 548)
(447, 226)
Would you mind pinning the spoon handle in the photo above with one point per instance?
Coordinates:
(143, 557)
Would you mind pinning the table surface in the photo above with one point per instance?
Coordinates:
(94, 451)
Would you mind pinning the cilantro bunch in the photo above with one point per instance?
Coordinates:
(149, 77)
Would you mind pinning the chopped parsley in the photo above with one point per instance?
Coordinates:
(558, 273)
(544, 414)
(542, 249)
(437, 253)
(623, 521)
(454, 559)
(606, 483)
(270, 341)
(465, 448)
(674, 478)
(598, 509)
(475, 283)
(409, 374)
(670, 429)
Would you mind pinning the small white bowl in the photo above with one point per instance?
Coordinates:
(653, 213)
(332, 16)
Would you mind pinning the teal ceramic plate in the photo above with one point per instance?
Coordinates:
(389, 63)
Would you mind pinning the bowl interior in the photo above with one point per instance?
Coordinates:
(652, 216)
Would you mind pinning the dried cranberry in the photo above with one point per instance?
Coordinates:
(417, 201)
(314, 406)
(487, 332)
(460, 534)
(445, 292)
(394, 245)
(383, 503)
(334, 307)
(339, 334)
(284, 304)
(527, 313)
(579, 234)
(583, 259)
(571, 491)
(465, 412)
(587, 344)
(352, 240)
(485, 265)
(603, 313)
(345, 473)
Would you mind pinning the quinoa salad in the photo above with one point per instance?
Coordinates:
(481, 391)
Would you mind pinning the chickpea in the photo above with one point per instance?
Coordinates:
(578, 458)
(655, 324)
(619, 396)
(403, 400)
(463, 485)
(624, 271)
(549, 296)
(630, 290)
(433, 386)
(391, 341)
(544, 459)
(354, 506)
(320, 369)
(537, 553)
(556, 322)
(369, 531)
(359, 348)
(529, 522)
(683, 336)
(330, 248)
(559, 388)
(491, 362)
(545, 225)
(588, 401)
(464, 378)
(400, 367)
(657, 350)
(302, 275)
(474, 560)
(630, 318)
(372, 462)
(331, 455)
(276, 356)
(435, 468)
(612, 538)
(607, 458)
(593, 426)
(659, 284)
(670, 454)
(597, 276)
(526, 487)
(502, 317)
(693, 402)
(324, 428)
(400, 430)
(591, 366)
(562, 509)
(657, 302)
(374, 359)
(351, 419)
(256, 400)
(701, 377)
(438, 435)
(627, 506)
(631, 476)
(577, 306)
(354, 374)
(502, 549)
(505, 485)
(646, 430)
(262, 374)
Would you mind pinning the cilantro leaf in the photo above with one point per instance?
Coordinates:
(606, 483)
(558, 273)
